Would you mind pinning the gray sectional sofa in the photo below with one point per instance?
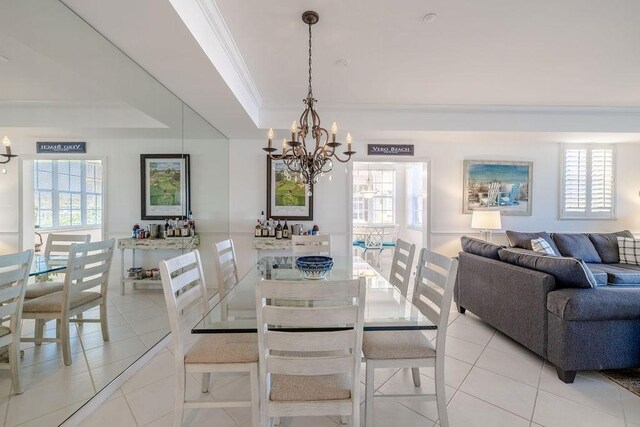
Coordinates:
(580, 310)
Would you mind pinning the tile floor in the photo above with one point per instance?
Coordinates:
(490, 381)
(137, 321)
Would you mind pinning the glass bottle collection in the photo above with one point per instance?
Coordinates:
(179, 227)
(270, 228)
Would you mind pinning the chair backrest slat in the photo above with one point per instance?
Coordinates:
(60, 245)
(301, 365)
(11, 276)
(400, 275)
(226, 266)
(312, 290)
(88, 267)
(316, 245)
(319, 341)
(13, 284)
(310, 317)
(180, 293)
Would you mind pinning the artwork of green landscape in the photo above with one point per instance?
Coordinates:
(164, 183)
(289, 192)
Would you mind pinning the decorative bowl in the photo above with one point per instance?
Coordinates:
(314, 267)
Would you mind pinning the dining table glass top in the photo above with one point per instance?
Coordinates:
(41, 265)
(385, 306)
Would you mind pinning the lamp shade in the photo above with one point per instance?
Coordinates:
(486, 220)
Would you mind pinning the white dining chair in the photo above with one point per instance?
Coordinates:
(311, 245)
(432, 295)
(56, 253)
(226, 266)
(14, 273)
(87, 268)
(310, 373)
(184, 288)
(401, 265)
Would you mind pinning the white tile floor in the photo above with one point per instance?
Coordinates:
(54, 391)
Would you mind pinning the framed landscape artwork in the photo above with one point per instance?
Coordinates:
(165, 191)
(497, 186)
(287, 197)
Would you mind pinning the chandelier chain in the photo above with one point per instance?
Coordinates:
(310, 89)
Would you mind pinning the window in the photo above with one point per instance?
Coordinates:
(588, 181)
(67, 193)
(414, 196)
(378, 209)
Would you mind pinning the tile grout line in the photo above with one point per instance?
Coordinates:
(535, 400)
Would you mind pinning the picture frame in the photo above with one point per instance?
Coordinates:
(287, 198)
(165, 190)
(504, 186)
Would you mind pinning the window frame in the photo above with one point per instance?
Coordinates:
(56, 191)
(368, 209)
(588, 214)
(413, 197)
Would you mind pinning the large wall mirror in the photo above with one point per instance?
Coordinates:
(63, 82)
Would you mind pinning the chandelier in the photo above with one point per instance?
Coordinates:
(309, 163)
(8, 156)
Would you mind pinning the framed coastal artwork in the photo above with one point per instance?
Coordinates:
(287, 197)
(164, 191)
(497, 186)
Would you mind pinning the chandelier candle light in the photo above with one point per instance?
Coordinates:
(309, 163)
(7, 155)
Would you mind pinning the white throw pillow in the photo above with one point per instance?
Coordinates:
(542, 246)
(629, 250)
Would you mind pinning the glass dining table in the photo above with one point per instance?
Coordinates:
(385, 307)
(42, 266)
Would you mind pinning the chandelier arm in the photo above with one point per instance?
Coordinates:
(337, 157)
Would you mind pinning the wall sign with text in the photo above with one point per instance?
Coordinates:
(390, 149)
(61, 147)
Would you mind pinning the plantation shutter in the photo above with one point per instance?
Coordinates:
(588, 186)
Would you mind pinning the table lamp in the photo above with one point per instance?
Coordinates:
(486, 221)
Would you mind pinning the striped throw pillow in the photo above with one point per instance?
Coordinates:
(629, 250)
(542, 246)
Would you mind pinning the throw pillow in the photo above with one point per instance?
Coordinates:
(568, 272)
(629, 250)
(606, 245)
(519, 239)
(540, 245)
(577, 246)
(480, 247)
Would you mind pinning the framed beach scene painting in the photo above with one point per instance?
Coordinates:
(287, 197)
(498, 186)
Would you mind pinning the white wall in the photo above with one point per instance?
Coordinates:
(248, 186)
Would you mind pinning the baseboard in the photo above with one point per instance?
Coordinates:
(94, 403)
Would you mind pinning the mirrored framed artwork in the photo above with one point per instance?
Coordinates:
(164, 191)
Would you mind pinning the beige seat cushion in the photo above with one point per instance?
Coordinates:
(39, 289)
(295, 388)
(224, 348)
(396, 345)
(52, 303)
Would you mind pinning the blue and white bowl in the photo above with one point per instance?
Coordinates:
(314, 267)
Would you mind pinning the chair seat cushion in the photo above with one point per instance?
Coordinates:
(4, 331)
(396, 345)
(292, 388)
(39, 289)
(52, 303)
(224, 348)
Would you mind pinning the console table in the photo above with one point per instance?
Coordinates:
(171, 243)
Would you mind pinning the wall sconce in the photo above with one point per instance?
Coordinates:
(8, 156)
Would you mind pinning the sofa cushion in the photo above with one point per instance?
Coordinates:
(601, 276)
(569, 272)
(519, 239)
(619, 274)
(606, 245)
(542, 246)
(629, 250)
(603, 303)
(480, 247)
(576, 246)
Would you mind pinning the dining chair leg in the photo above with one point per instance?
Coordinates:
(415, 372)
(38, 331)
(255, 398)
(441, 398)
(79, 317)
(206, 379)
(14, 364)
(104, 321)
(66, 342)
(180, 390)
(58, 327)
(368, 399)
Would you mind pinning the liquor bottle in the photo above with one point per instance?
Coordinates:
(285, 230)
(265, 229)
(272, 228)
(258, 232)
(279, 230)
(262, 217)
